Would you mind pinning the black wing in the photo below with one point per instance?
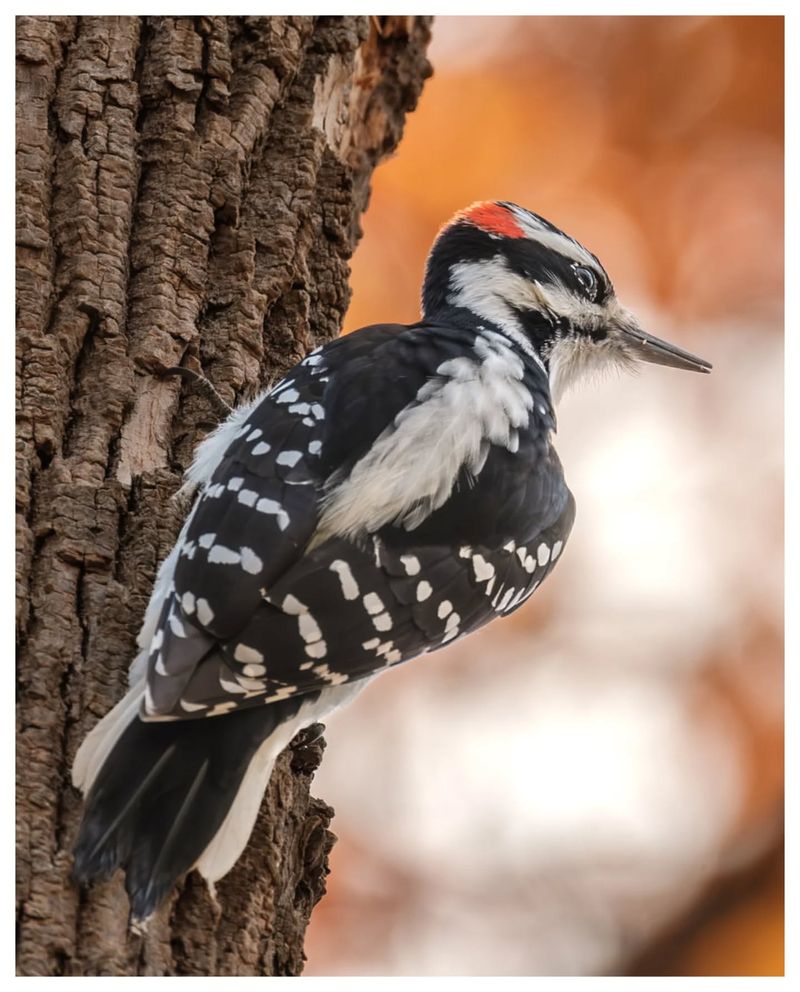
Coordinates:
(260, 506)
(257, 614)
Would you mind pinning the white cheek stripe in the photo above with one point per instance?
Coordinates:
(487, 288)
(490, 289)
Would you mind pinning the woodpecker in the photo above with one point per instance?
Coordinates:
(396, 491)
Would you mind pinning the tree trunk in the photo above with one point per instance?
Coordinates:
(188, 194)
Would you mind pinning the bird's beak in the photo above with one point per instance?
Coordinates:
(649, 348)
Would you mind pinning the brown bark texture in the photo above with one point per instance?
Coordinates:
(188, 194)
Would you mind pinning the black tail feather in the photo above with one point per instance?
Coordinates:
(163, 793)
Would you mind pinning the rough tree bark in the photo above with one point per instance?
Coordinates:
(189, 192)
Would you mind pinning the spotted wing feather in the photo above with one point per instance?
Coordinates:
(261, 613)
(260, 508)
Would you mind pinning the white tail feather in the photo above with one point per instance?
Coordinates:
(97, 744)
(230, 840)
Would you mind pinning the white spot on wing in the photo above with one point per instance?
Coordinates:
(373, 603)
(283, 693)
(483, 569)
(332, 678)
(293, 606)
(507, 597)
(522, 594)
(346, 578)
(309, 628)
(204, 612)
(253, 671)
(221, 708)
(191, 707)
(251, 562)
(270, 506)
(247, 655)
(220, 555)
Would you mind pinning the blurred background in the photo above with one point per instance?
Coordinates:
(594, 785)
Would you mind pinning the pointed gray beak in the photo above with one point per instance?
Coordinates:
(649, 348)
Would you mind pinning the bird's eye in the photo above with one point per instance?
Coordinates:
(588, 281)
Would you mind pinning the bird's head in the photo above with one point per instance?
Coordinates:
(499, 263)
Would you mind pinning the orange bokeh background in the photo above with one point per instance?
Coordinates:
(645, 680)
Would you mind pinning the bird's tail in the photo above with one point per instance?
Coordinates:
(165, 796)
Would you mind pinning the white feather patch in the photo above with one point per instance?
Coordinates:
(412, 467)
(97, 744)
(228, 843)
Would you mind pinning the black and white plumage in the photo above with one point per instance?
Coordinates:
(397, 490)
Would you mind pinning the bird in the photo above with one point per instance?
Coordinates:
(398, 489)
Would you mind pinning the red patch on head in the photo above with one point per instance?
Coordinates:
(494, 219)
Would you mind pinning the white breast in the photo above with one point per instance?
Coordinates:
(472, 402)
